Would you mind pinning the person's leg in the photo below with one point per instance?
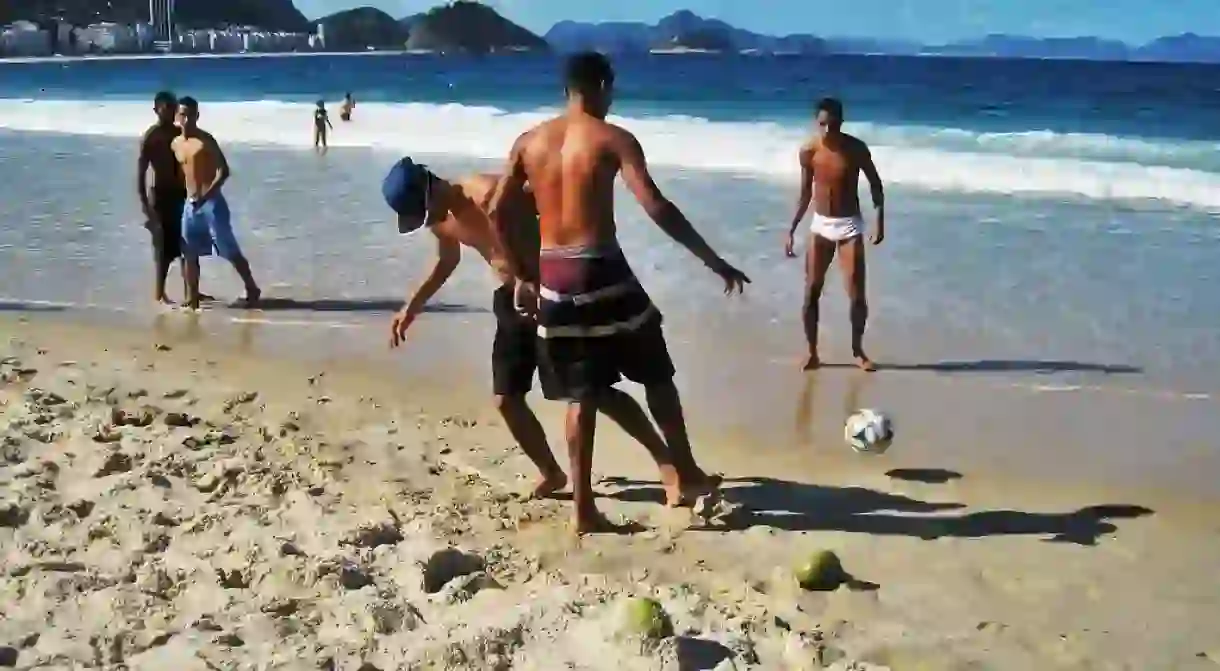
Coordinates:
(851, 260)
(818, 258)
(625, 411)
(160, 263)
(513, 361)
(192, 281)
(220, 221)
(643, 357)
(578, 371)
(525, 428)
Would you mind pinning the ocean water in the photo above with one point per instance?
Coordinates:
(1045, 297)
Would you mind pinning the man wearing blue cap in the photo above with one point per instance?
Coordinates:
(454, 213)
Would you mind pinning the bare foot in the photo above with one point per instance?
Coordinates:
(593, 522)
(549, 485)
(164, 301)
(250, 300)
(865, 364)
(812, 362)
(693, 488)
(672, 485)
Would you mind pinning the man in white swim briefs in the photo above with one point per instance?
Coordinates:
(831, 164)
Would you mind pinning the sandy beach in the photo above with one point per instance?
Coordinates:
(170, 504)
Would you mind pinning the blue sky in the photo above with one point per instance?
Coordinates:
(923, 20)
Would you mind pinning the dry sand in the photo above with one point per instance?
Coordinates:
(164, 505)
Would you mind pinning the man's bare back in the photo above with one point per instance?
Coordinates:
(596, 323)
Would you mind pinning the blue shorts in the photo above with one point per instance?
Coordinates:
(207, 229)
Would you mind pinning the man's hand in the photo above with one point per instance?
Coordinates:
(789, 245)
(525, 299)
(734, 279)
(877, 236)
(398, 327)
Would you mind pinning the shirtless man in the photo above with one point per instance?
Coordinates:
(831, 164)
(452, 213)
(206, 224)
(163, 206)
(596, 323)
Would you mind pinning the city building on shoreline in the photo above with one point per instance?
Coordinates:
(30, 39)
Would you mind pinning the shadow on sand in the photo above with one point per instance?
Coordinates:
(7, 306)
(386, 305)
(793, 506)
(1014, 366)
(929, 476)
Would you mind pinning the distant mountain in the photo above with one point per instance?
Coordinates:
(266, 14)
(681, 30)
(1187, 47)
(686, 30)
(362, 28)
(1020, 46)
(467, 26)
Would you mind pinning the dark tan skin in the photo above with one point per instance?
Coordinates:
(571, 162)
(831, 165)
(155, 153)
(465, 224)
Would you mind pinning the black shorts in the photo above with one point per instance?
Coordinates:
(582, 368)
(168, 205)
(514, 352)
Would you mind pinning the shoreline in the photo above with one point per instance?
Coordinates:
(949, 570)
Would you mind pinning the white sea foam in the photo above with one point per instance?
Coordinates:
(1088, 166)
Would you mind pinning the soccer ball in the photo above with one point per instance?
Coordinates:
(869, 431)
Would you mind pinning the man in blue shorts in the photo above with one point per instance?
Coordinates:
(206, 222)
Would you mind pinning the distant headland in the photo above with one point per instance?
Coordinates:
(76, 27)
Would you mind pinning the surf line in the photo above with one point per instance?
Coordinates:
(16, 304)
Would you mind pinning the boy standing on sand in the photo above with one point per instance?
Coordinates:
(831, 164)
(451, 211)
(321, 122)
(595, 321)
(206, 224)
(162, 207)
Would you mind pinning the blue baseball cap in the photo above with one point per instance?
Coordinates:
(407, 189)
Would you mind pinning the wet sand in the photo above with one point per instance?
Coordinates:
(172, 502)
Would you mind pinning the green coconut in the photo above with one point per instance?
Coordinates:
(822, 571)
(646, 618)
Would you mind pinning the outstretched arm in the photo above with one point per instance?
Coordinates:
(449, 254)
(805, 156)
(877, 190)
(665, 214)
(511, 184)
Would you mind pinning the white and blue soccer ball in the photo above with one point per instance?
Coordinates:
(869, 431)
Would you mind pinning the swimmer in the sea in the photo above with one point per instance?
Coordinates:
(831, 164)
(206, 221)
(596, 323)
(452, 212)
(345, 109)
(321, 122)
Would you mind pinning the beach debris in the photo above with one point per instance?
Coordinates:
(821, 571)
(8, 656)
(107, 433)
(13, 515)
(180, 419)
(231, 579)
(374, 534)
(645, 617)
(114, 462)
(281, 606)
(140, 417)
(240, 399)
(449, 564)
